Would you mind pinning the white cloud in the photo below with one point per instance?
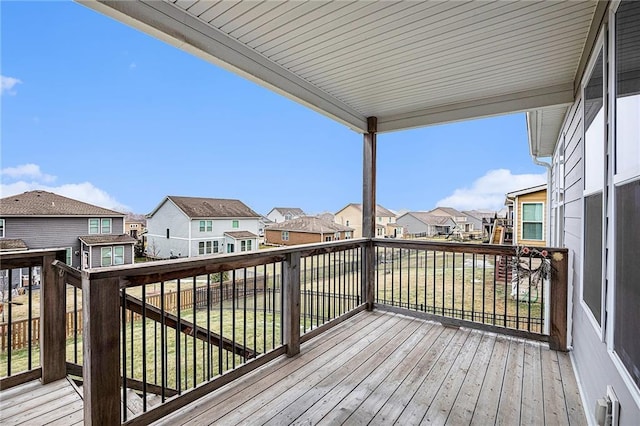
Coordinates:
(31, 171)
(31, 178)
(488, 192)
(7, 84)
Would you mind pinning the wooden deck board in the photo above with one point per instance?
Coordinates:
(36, 404)
(375, 368)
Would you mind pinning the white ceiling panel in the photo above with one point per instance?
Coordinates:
(408, 63)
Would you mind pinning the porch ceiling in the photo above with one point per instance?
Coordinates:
(409, 63)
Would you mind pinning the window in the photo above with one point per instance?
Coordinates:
(215, 247)
(168, 234)
(248, 245)
(532, 221)
(379, 232)
(380, 219)
(347, 235)
(390, 220)
(626, 314)
(99, 226)
(245, 245)
(235, 224)
(68, 254)
(347, 223)
(285, 236)
(627, 91)
(1, 228)
(205, 247)
(592, 262)
(206, 225)
(336, 236)
(627, 270)
(327, 238)
(105, 256)
(287, 216)
(118, 255)
(594, 159)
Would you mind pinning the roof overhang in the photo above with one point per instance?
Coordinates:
(409, 64)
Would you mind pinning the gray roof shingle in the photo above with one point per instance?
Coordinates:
(12, 244)
(197, 207)
(240, 234)
(43, 203)
(310, 224)
(93, 240)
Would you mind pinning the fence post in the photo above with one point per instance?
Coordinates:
(101, 362)
(53, 336)
(558, 301)
(291, 308)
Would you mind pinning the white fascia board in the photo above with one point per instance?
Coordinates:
(561, 94)
(175, 26)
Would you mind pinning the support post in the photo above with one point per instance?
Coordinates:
(101, 335)
(53, 315)
(558, 302)
(369, 210)
(291, 308)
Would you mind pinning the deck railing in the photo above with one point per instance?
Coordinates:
(503, 288)
(164, 333)
(147, 339)
(32, 342)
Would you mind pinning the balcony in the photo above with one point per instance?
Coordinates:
(355, 331)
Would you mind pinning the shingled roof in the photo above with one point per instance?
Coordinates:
(96, 240)
(430, 219)
(43, 203)
(380, 211)
(309, 224)
(197, 207)
(12, 245)
(295, 211)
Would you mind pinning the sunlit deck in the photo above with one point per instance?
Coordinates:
(383, 368)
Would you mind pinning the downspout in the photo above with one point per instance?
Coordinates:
(548, 208)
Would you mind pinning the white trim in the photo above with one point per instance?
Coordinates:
(581, 390)
(561, 94)
(542, 231)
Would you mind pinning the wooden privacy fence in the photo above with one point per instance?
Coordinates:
(20, 331)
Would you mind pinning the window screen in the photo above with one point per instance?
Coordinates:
(627, 310)
(592, 270)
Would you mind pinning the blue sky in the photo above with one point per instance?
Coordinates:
(100, 112)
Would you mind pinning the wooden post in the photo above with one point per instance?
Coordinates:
(291, 308)
(101, 362)
(558, 301)
(369, 210)
(52, 322)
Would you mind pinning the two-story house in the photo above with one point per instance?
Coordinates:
(195, 226)
(280, 214)
(92, 236)
(351, 216)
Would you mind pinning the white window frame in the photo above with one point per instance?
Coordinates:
(620, 177)
(118, 259)
(205, 247)
(205, 225)
(68, 256)
(599, 45)
(284, 236)
(104, 250)
(96, 226)
(109, 223)
(2, 224)
(522, 204)
(235, 224)
(347, 235)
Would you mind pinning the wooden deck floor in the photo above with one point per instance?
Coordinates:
(380, 368)
(56, 403)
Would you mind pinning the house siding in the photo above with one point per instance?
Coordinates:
(96, 254)
(54, 232)
(168, 216)
(536, 197)
(593, 362)
(353, 216)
